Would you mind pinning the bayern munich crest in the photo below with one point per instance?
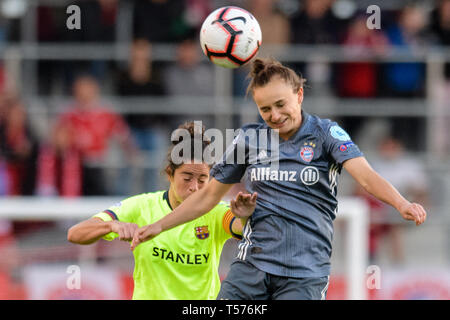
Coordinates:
(202, 232)
(307, 153)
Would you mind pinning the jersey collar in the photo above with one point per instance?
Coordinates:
(166, 197)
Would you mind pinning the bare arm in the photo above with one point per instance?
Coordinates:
(91, 230)
(381, 189)
(198, 204)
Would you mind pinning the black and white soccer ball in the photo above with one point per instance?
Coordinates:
(230, 37)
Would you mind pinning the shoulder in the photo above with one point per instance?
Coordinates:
(248, 131)
(143, 198)
(327, 129)
(253, 126)
(320, 125)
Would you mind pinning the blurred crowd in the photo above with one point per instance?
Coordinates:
(68, 161)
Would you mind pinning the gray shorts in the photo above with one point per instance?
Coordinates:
(246, 282)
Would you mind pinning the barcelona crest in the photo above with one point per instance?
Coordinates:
(202, 232)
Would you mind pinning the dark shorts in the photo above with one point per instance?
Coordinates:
(246, 282)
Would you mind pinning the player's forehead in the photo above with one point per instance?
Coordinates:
(275, 90)
(193, 169)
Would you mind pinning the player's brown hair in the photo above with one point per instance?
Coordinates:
(263, 70)
(194, 136)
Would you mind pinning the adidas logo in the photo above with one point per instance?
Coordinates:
(262, 155)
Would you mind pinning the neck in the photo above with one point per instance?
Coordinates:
(172, 199)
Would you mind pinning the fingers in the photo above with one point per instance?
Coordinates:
(135, 242)
(145, 233)
(420, 214)
(233, 206)
(417, 213)
(253, 198)
(137, 237)
(126, 231)
(245, 199)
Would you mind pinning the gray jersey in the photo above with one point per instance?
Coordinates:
(290, 233)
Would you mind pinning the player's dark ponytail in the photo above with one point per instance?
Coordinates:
(257, 66)
(263, 70)
(196, 135)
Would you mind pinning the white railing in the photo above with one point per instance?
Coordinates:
(352, 211)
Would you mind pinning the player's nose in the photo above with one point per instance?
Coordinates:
(193, 186)
(275, 116)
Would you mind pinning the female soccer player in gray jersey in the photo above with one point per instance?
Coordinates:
(286, 249)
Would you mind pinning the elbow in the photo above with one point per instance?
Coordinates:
(365, 185)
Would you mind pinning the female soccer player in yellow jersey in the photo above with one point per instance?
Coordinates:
(181, 264)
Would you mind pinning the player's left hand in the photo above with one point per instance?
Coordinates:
(414, 212)
(145, 233)
(244, 205)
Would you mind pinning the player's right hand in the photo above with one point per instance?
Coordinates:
(145, 233)
(414, 212)
(124, 230)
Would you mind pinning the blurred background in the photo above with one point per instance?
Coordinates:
(86, 117)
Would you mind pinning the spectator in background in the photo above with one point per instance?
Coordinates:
(98, 25)
(189, 76)
(316, 24)
(275, 26)
(159, 20)
(407, 79)
(440, 26)
(59, 165)
(47, 30)
(98, 21)
(140, 79)
(408, 175)
(359, 79)
(196, 12)
(91, 125)
(17, 148)
(408, 34)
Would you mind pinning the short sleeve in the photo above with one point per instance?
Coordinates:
(339, 145)
(232, 167)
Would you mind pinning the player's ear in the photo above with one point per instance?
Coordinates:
(300, 95)
(170, 174)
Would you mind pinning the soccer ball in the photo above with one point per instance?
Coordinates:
(230, 37)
